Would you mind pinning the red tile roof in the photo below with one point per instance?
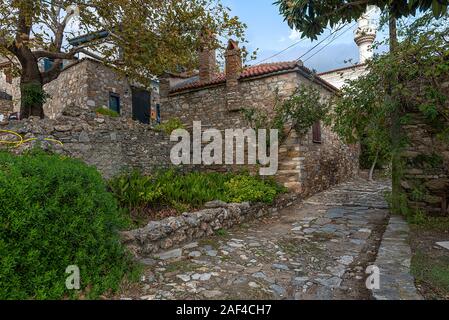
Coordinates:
(253, 71)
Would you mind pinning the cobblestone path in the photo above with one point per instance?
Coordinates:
(316, 249)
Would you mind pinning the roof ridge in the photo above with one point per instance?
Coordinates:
(265, 69)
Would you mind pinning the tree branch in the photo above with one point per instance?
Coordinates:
(59, 55)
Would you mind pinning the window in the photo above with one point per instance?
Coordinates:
(114, 102)
(316, 132)
(158, 113)
(48, 64)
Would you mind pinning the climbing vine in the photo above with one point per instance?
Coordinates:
(298, 112)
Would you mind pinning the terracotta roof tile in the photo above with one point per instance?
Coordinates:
(253, 71)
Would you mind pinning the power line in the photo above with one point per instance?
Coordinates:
(280, 52)
(315, 46)
(332, 40)
(295, 44)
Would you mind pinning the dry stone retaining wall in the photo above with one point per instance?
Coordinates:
(426, 175)
(175, 231)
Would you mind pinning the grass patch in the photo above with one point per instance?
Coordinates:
(107, 112)
(432, 272)
(422, 221)
(169, 126)
(181, 266)
(222, 232)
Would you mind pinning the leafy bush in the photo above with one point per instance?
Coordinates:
(56, 212)
(33, 94)
(107, 112)
(184, 191)
(134, 190)
(169, 126)
(247, 188)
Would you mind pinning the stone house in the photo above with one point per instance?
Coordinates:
(306, 164)
(5, 105)
(89, 84)
(5, 89)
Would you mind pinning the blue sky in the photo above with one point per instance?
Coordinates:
(268, 32)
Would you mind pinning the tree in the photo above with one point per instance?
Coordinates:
(312, 17)
(145, 38)
(421, 63)
(359, 114)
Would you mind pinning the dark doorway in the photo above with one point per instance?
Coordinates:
(141, 105)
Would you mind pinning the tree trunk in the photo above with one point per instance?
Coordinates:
(395, 131)
(31, 89)
(371, 172)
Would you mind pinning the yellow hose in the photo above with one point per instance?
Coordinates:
(22, 141)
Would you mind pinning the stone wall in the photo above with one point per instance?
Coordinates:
(304, 166)
(309, 167)
(4, 85)
(426, 175)
(86, 84)
(110, 144)
(339, 77)
(70, 88)
(5, 106)
(175, 231)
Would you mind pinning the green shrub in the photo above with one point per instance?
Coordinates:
(107, 112)
(169, 126)
(134, 190)
(192, 190)
(247, 188)
(56, 212)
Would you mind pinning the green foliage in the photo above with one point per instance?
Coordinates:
(192, 190)
(134, 190)
(312, 17)
(33, 94)
(417, 218)
(433, 271)
(298, 112)
(169, 126)
(221, 232)
(368, 109)
(428, 161)
(247, 188)
(107, 112)
(56, 212)
(418, 193)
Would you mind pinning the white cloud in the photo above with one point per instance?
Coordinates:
(294, 35)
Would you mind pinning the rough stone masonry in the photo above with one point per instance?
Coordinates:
(110, 144)
(308, 164)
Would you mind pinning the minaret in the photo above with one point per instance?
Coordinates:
(366, 34)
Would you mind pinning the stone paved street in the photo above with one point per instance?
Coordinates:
(317, 249)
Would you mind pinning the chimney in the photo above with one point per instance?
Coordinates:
(164, 86)
(233, 70)
(207, 58)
